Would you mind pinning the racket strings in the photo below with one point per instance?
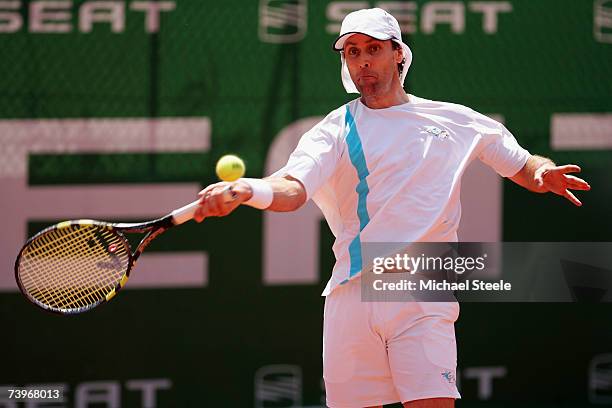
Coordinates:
(73, 267)
(50, 291)
(81, 297)
(88, 293)
(71, 288)
(48, 288)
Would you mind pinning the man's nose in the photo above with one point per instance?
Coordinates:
(364, 62)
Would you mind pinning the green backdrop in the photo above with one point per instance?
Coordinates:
(210, 59)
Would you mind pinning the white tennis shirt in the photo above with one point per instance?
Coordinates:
(393, 175)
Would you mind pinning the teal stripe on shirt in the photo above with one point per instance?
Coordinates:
(357, 157)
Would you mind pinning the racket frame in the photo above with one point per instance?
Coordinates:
(151, 229)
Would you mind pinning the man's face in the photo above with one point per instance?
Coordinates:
(372, 64)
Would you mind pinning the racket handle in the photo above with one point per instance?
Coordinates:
(184, 214)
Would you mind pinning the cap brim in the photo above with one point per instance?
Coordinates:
(338, 44)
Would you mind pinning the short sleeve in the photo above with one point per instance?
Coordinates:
(501, 151)
(317, 154)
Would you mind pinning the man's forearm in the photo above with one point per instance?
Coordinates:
(289, 194)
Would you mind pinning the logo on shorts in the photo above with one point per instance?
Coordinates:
(437, 132)
(449, 376)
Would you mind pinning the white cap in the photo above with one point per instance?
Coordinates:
(376, 23)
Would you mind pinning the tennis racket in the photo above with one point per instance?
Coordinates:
(74, 266)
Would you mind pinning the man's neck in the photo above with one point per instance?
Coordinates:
(397, 97)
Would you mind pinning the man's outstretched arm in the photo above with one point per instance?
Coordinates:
(288, 194)
(542, 175)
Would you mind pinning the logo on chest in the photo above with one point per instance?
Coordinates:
(437, 132)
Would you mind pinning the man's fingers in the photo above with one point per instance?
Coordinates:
(578, 186)
(574, 178)
(213, 203)
(568, 168)
(217, 201)
(568, 194)
(220, 204)
(227, 201)
(206, 190)
(199, 214)
(577, 183)
(209, 206)
(557, 181)
(198, 217)
(210, 188)
(206, 210)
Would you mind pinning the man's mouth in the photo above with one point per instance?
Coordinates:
(367, 77)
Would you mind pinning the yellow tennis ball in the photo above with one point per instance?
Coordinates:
(230, 168)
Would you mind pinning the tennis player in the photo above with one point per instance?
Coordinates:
(386, 167)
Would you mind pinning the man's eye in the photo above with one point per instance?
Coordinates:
(374, 48)
(352, 51)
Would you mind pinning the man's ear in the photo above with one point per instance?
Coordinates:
(399, 55)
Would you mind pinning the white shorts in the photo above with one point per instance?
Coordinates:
(377, 353)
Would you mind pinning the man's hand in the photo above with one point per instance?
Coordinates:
(220, 199)
(541, 175)
(555, 179)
